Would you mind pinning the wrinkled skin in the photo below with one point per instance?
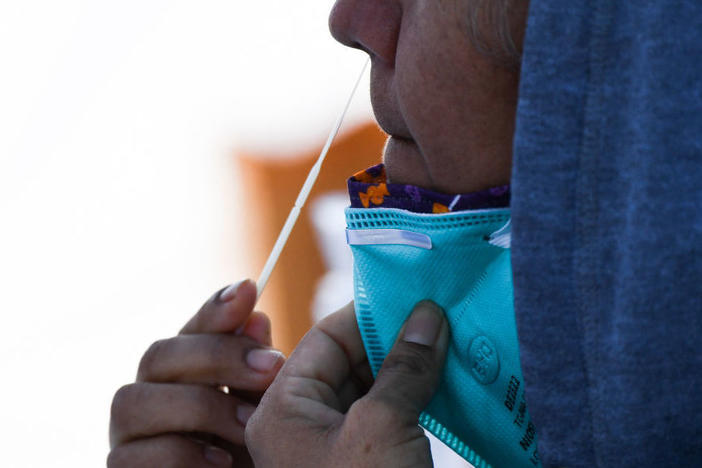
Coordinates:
(324, 410)
(175, 415)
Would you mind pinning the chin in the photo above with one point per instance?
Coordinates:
(404, 163)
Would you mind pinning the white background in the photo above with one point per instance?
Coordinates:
(118, 196)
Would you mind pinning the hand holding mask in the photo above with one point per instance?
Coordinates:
(461, 261)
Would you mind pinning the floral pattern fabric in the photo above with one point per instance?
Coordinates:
(370, 189)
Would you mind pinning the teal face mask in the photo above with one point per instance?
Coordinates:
(461, 261)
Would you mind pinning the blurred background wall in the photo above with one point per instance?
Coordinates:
(122, 207)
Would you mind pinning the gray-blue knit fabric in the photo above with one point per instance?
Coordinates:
(607, 231)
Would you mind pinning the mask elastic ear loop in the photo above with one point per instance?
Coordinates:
(502, 237)
(304, 193)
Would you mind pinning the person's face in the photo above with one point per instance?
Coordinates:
(449, 110)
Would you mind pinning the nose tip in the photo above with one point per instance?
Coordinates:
(340, 22)
(372, 26)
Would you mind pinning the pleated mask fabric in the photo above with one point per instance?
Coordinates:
(461, 261)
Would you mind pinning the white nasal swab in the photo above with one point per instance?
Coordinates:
(302, 197)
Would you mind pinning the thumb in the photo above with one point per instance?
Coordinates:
(411, 371)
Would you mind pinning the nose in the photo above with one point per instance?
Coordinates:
(340, 22)
(370, 25)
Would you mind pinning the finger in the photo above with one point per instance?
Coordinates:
(167, 451)
(147, 410)
(240, 453)
(331, 357)
(410, 373)
(236, 361)
(226, 311)
(258, 327)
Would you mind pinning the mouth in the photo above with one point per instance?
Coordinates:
(386, 105)
(401, 138)
(393, 125)
(404, 163)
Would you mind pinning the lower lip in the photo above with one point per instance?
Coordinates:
(403, 160)
(401, 146)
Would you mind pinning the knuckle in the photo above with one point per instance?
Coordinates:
(411, 361)
(254, 432)
(216, 349)
(150, 358)
(218, 353)
(117, 459)
(128, 401)
(265, 422)
(382, 412)
(166, 451)
(208, 410)
(121, 403)
(376, 406)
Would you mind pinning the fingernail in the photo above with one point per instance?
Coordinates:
(424, 324)
(263, 360)
(243, 413)
(217, 456)
(229, 292)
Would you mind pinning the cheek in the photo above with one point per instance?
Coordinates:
(457, 104)
(433, 80)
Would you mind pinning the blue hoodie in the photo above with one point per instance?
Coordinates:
(607, 231)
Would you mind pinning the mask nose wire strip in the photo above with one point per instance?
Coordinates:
(302, 197)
